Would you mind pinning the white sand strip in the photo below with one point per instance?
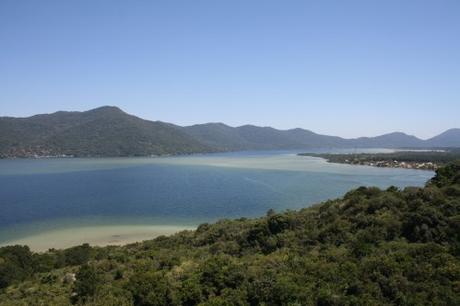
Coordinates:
(95, 235)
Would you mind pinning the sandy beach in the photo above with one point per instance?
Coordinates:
(95, 235)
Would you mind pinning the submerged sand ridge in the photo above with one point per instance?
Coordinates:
(102, 235)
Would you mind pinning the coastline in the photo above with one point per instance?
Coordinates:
(100, 230)
(95, 235)
(414, 160)
(429, 166)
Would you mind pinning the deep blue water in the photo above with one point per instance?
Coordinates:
(186, 190)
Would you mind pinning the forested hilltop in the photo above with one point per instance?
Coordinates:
(102, 132)
(371, 247)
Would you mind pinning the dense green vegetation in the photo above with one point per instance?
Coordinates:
(105, 131)
(108, 131)
(371, 247)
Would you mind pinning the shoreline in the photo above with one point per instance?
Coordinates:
(426, 160)
(95, 235)
(392, 165)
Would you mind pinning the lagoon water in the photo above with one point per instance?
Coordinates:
(62, 202)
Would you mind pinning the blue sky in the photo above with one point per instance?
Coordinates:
(347, 68)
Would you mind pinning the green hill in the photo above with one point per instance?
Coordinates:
(371, 247)
(105, 131)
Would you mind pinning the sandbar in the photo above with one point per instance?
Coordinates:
(102, 235)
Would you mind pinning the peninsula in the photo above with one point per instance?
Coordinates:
(423, 160)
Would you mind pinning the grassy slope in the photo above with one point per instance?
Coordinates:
(371, 247)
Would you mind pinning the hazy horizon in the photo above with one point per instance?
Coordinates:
(235, 126)
(349, 69)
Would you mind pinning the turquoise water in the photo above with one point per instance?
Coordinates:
(37, 195)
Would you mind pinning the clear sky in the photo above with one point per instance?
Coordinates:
(347, 68)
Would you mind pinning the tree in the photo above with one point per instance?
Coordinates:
(16, 263)
(87, 283)
(78, 255)
(149, 289)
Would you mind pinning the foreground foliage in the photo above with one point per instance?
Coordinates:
(372, 247)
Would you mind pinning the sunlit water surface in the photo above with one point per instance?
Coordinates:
(68, 197)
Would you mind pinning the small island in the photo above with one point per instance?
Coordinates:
(422, 160)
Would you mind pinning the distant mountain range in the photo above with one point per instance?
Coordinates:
(108, 131)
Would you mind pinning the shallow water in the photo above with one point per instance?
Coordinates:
(54, 195)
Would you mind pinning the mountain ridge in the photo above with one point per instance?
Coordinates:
(100, 132)
(109, 131)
